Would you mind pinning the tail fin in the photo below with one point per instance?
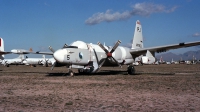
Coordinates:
(137, 38)
(1, 45)
(1, 48)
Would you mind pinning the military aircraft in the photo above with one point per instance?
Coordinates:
(38, 61)
(2, 52)
(7, 62)
(14, 61)
(89, 58)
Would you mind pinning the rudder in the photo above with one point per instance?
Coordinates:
(137, 38)
(1, 48)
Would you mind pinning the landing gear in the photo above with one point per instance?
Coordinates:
(131, 70)
(86, 70)
(71, 73)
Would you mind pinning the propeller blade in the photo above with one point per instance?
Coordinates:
(100, 45)
(52, 50)
(54, 64)
(116, 61)
(115, 46)
(102, 62)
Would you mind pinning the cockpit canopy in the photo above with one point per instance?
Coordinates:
(79, 44)
(70, 47)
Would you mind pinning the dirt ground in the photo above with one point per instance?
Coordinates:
(154, 88)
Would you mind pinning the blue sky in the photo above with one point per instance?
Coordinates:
(37, 24)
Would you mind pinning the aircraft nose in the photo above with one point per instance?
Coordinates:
(59, 55)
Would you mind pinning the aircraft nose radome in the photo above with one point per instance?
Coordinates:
(59, 55)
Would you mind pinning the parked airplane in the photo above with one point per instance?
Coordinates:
(161, 61)
(38, 61)
(7, 62)
(91, 57)
(14, 61)
(2, 52)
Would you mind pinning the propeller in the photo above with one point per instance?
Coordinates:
(109, 54)
(54, 64)
(52, 50)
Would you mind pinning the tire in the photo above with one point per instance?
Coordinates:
(71, 73)
(131, 70)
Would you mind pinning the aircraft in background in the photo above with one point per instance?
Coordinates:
(14, 61)
(38, 61)
(89, 58)
(147, 59)
(161, 61)
(2, 52)
(7, 62)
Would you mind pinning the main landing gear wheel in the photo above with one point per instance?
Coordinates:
(131, 70)
(71, 73)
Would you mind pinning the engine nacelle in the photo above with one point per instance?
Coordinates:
(148, 60)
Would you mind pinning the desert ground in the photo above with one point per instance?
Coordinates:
(154, 88)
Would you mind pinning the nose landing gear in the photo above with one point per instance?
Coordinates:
(71, 73)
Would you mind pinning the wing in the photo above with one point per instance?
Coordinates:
(4, 52)
(158, 49)
(45, 53)
(20, 51)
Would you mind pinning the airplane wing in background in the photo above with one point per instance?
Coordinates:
(159, 49)
(45, 53)
(12, 52)
(4, 52)
(21, 51)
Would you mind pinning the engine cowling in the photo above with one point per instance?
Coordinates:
(148, 60)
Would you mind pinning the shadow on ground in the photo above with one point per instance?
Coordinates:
(104, 72)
